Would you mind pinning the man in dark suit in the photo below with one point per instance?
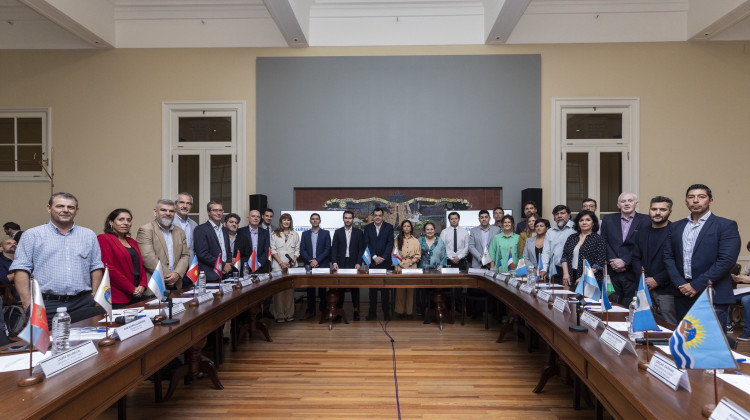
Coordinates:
(237, 242)
(13, 230)
(702, 248)
(379, 238)
(619, 231)
(259, 239)
(346, 252)
(208, 247)
(648, 256)
(315, 247)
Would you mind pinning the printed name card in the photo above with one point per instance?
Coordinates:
(615, 341)
(561, 305)
(727, 409)
(527, 289)
(490, 275)
(227, 287)
(412, 271)
(136, 327)
(178, 308)
(502, 277)
(264, 277)
(378, 271)
(347, 271)
(205, 297)
(292, 271)
(245, 283)
(543, 295)
(276, 273)
(71, 357)
(590, 320)
(480, 271)
(513, 282)
(319, 270)
(451, 270)
(666, 371)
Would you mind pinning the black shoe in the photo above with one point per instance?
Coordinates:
(371, 317)
(356, 316)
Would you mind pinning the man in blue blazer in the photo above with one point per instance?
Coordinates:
(379, 239)
(207, 245)
(702, 248)
(619, 231)
(314, 247)
(346, 252)
(259, 239)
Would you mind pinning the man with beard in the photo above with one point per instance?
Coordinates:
(554, 241)
(7, 252)
(161, 240)
(182, 207)
(237, 242)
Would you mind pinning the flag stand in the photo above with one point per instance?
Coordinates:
(159, 318)
(193, 303)
(708, 409)
(643, 364)
(33, 378)
(108, 341)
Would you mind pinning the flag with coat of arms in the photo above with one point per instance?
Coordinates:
(192, 272)
(396, 257)
(36, 331)
(104, 293)
(587, 286)
(156, 282)
(643, 319)
(367, 256)
(522, 270)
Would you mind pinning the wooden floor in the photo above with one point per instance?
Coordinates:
(347, 373)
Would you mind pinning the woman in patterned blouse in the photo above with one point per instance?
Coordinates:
(586, 244)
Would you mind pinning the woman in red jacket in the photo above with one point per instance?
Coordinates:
(120, 253)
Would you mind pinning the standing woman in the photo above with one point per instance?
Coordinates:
(585, 244)
(120, 253)
(407, 246)
(284, 241)
(535, 245)
(527, 233)
(433, 257)
(504, 243)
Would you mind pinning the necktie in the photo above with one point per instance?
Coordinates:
(455, 240)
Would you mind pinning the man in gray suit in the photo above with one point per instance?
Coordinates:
(162, 241)
(480, 239)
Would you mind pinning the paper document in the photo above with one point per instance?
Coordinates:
(740, 381)
(20, 361)
(623, 326)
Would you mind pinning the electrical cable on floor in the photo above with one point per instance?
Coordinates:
(395, 377)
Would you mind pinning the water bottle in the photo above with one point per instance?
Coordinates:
(60, 330)
(531, 277)
(201, 289)
(632, 335)
(245, 271)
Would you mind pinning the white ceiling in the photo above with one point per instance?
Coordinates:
(73, 24)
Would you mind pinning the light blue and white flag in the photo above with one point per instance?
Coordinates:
(156, 283)
(588, 287)
(643, 319)
(367, 256)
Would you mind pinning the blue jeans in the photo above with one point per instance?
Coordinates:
(744, 300)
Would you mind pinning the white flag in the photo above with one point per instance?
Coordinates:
(156, 283)
(486, 257)
(104, 293)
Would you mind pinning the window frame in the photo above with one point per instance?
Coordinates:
(42, 174)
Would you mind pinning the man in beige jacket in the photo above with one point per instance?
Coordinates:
(162, 241)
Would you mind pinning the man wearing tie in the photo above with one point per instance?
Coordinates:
(259, 239)
(379, 239)
(346, 252)
(314, 247)
(456, 242)
(211, 242)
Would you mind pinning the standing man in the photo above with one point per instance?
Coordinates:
(554, 241)
(13, 230)
(702, 248)
(267, 216)
(480, 239)
(589, 204)
(619, 231)
(456, 242)
(161, 240)
(259, 239)
(314, 247)
(237, 242)
(648, 255)
(212, 243)
(379, 238)
(498, 214)
(64, 258)
(529, 208)
(346, 252)
(183, 205)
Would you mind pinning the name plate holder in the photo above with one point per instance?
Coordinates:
(491, 275)
(543, 295)
(479, 271)
(513, 282)
(319, 270)
(527, 289)
(502, 277)
(412, 271)
(225, 287)
(276, 273)
(53, 365)
(136, 327)
(263, 277)
(205, 297)
(592, 321)
(378, 271)
(178, 308)
(348, 271)
(666, 371)
(450, 270)
(727, 409)
(616, 342)
(296, 271)
(246, 282)
(561, 305)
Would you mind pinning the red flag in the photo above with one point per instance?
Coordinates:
(192, 272)
(217, 267)
(237, 261)
(36, 331)
(254, 260)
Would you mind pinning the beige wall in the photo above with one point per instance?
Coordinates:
(106, 114)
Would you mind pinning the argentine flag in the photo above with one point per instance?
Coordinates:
(521, 270)
(643, 319)
(588, 286)
(396, 257)
(367, 256)
(156, 283)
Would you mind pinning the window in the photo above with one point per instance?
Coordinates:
(24, 144)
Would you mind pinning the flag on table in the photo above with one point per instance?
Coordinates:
(218, 266)
(605, 299)
(366, 256)
(156, 282)
(238, 262)
(486, 259)
(192, 272)
(552, 267)
(541, 264)
(396, 258)
(104, 293)
(36, 329)
(643, 319)
(610, 288)
(510, 260)
(587, 286)
(254, 263)
(699, 342)
(522, 270)
(269, 257)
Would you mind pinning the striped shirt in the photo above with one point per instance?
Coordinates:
(689, 236)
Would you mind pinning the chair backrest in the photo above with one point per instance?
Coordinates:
(6, 293)
(736, 269)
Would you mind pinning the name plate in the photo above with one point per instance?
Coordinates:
(205, 297)
(480, 271)
(264, 277)
(502, 277)
(527, 289)
(666, 371)
(616, 342)
(378, 271)
(347, 271)
(490, 275)
(412, 271)
(245, 283)
(136, 327)
(319, 270)
(227, 287)
(513, 282)
(561, 305)
(450, 270)
(296, 271)
(276, 273)
(727, 409)
(178, 308)
(590, 320)
(543, 295)
(71, 357)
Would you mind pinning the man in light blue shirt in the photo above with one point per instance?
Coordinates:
(183, 205)
(554, 240)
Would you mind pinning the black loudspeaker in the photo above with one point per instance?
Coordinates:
(258, 202)
(532, 194)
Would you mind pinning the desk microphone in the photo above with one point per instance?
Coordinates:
(579, 308)
(170, 320)
(291, 260)
(652, 341)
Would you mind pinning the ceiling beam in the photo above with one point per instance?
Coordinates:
(93, 21)
(501, 17)
(292, 17)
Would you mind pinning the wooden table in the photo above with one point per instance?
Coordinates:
(90, 387)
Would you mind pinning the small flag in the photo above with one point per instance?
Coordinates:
(396, 258)
(238, 262)
(156, 283)
(698, 342)
(486, 259)
(610, 287)
(541, 264)
(217, 266)
(643, 319)
(587, 286)
(510, 260)
(605, 299)
(104, 293)
(522, 270)
(367, 256)
(37, 328)
(552, 267)
(192, 272)
(254, 263)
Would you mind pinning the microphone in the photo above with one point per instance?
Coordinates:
(579, 306)
(652, 341)
(291, 260)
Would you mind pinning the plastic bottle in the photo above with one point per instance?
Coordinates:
(60, 330)
(531, 277)
(201, 289)
(245, 271)
(632, 335)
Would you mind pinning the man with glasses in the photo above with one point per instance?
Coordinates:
(212, 242)
(183, 205)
